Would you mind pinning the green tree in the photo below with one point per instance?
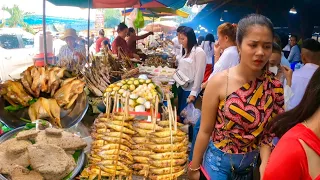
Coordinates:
(112, 18)
(16, 19)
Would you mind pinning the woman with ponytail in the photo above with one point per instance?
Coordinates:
(237, 106)
(297, 155)
(208, 47)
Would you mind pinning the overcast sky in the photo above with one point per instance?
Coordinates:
(35, 6)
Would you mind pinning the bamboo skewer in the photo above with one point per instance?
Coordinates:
(114, 104)
(175, 119)
(99, 177)
(171, 138)
(120, 137)
(109, 104)
(118, 102)
(153, 120)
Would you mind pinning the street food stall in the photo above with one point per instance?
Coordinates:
(43, 111)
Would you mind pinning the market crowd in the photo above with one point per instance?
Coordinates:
(74, 52)
(259, 109)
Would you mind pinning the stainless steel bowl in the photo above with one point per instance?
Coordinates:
(69, 117)
(76, 170)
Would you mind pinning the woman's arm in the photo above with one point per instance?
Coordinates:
(200, 63)
(208, 118)
(265, 152)
(267, 136)
(221, 63)
(143, 36)
(286, 162)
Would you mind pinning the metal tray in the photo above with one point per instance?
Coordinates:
(76, 170)
(69, 117)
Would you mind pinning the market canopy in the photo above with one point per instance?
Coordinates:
(162, 26)
(198, 2)
(157, 12)
(174, 4)
(303, 23)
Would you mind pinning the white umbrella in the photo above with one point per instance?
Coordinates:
(4, 14)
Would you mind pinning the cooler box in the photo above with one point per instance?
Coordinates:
(38, 59)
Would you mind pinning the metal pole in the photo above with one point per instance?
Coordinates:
(124, 18)
(88, 29)
(44, 32)
(152, 23)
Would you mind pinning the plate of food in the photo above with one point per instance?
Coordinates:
(51, 154)
(43, 93)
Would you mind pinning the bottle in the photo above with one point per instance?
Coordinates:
(298, 66)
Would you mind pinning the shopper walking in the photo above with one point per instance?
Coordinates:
(297, 155)
(208, 47)
(237, 105)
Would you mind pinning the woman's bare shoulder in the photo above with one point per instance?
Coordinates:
(219, 78)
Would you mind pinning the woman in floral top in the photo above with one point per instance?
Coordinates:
(238, 104)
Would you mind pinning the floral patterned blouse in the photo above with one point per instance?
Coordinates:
(247, 112)
(69, 58)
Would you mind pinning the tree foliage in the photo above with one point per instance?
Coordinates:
(112, 18)
(17, 17)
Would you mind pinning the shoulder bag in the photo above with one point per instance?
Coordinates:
(236, 174)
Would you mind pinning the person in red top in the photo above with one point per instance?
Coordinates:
(297, 154)
(100, 40)
(120, 41)
(133, 38)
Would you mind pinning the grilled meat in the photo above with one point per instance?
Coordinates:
(13, 92)
(45, 108)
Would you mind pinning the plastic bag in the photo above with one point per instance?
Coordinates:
(139, 21)
(190, 114)
(132, 17)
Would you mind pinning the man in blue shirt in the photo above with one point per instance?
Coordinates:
(294, 56)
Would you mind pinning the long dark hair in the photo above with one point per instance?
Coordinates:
(309, 104)
(249, 21)
(200, 39)
(192, 40)
(210, 38)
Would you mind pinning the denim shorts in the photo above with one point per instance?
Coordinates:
(218, 165)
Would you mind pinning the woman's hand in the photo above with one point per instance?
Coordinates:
(136, 56)
(217, 52)
(217, 48)
(193, 175)
(191, 99)
(287, 73)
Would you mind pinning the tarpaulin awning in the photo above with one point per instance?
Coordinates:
(157, 12)
(199, 2)
(96, 3)
(175, 4)
(162, 26)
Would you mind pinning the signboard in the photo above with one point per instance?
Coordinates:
(99, 23)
